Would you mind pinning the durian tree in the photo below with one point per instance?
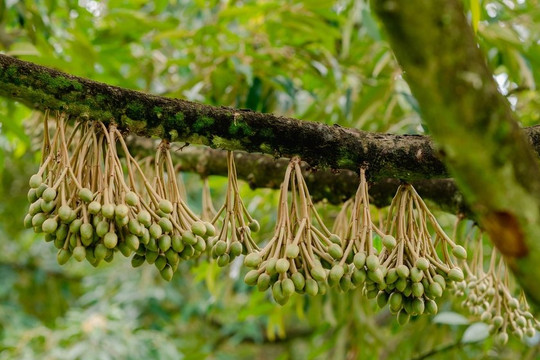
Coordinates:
(397, 139)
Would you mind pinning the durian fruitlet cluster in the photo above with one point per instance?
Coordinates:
(91, 203)
(292, 260)
(234, 238)
(93, 199)
(488, 295)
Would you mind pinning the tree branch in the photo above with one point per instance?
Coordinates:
(405, 157)
(262, 171)
(480, 140)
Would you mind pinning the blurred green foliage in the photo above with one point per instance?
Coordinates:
(318, 60)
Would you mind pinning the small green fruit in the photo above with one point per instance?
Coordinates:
(251, 277)
(166, 206)
(220, 247)
(155, 231)
(253, 226)
(94, 207)
(164, 242)
(318, 273)
(282, 266)
(144, 218)
(336, 273)
(100, 252)
(210, 229)
(389, 242)
(403, 317)
(166, 224)
(63, 256)
(49, 194)
(107, 211)
(176, 243)
(121, 211)
(189, 238)
(49, 226)
(292, 251)
(79, 253)
(198, 228)
(137, 260)
(287, 287)
(299, 281)
(223, 260)
(252, 260)
(359, 260)
(263, 282)
(312, 288)
(64, 213)
(160, 262)
(372, 262)
(459, 252)
(86, 195)
(133, 242)
(35, 181)
(110, 240)
(335, 251)
(422, 264)
(167, 273)
(132, 199)
(32, 196)
(151, 256)
(236, 248)
(38, 220)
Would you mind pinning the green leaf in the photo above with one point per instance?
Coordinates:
(475, 14)
(450, 318)
(475, 333)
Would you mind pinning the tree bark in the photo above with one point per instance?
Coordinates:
(263, 171)
(404, 157)
(480, 140)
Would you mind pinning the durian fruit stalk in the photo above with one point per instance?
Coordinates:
(208, 211)
(488, 295)
(234, 238)
(417, 266)
(92, 204)
(360, 257)
(298, 256)
(176, 233)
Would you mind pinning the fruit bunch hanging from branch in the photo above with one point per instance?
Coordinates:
(93, 199)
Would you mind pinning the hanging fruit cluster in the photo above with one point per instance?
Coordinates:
(234, 238)
(418, 267)
(292, 260)
(488, 295)
(91, 204)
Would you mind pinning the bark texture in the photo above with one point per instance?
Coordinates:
(263, 171)
(481, 143)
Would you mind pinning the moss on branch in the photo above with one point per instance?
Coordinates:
(406, 157)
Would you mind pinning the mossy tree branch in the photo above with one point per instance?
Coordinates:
(405, 157)
(480, 140)
(262, 171)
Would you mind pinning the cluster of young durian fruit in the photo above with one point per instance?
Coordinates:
(488, 294)
(409, 270)
(91, 203)
(93, 199)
